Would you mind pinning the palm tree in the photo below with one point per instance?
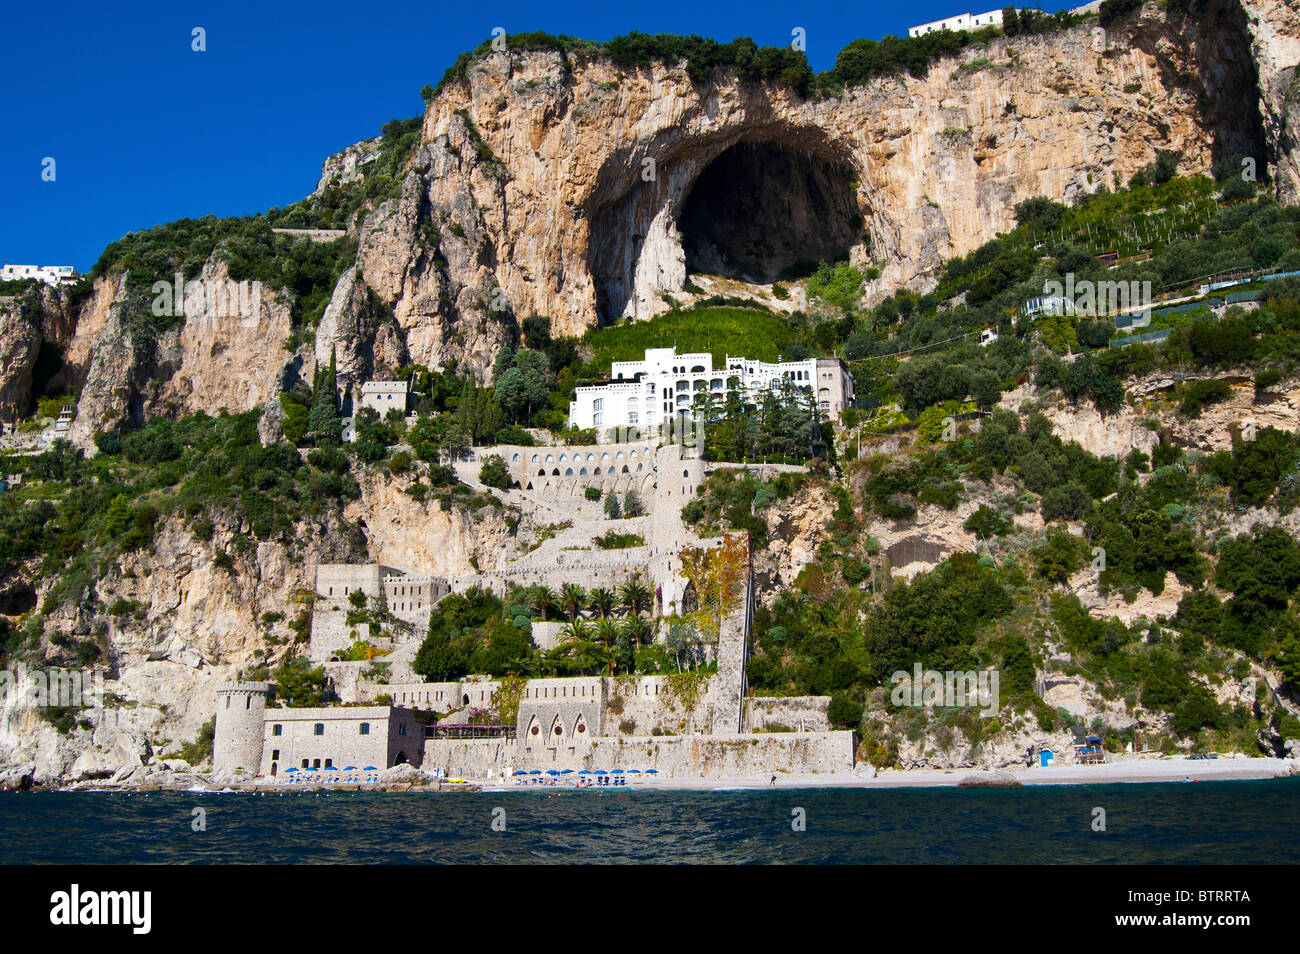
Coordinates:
(573, 598)
(575, 631)
(602, 601)
(638, 629)
(634, 597)
(607, 631)
(543, 600)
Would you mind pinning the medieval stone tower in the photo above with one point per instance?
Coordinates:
(238, 742)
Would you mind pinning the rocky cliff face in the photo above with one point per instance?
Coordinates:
(582, 191)
(1275, 45)
(603, 168)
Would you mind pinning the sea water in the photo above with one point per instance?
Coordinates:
(1234, 822)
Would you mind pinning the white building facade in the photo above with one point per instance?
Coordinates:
(963, 21)
(648, 394)
(49, 274)
(383, 396)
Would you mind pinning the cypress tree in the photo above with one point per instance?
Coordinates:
(323, 424)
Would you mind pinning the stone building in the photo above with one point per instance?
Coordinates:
(384, 396)
(340, 737)
(408, 597)
(237, 744)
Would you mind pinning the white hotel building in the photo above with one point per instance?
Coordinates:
(646, 394)
(962, 21)
(50, 274)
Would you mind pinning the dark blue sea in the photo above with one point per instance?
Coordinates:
(1238, 822)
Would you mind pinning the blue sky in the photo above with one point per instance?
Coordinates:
(143, 130)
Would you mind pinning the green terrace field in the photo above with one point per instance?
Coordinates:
(739, 331)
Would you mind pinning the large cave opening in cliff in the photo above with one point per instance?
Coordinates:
(760, 211)
(753, 208)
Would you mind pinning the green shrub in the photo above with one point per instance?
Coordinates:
(494, 473)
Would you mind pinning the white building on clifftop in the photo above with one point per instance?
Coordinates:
(962, 21)
(50, 274)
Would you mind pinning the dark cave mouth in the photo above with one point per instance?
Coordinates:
(761, 211)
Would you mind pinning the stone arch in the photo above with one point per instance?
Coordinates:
(580, 728)
(534, 731)
(556, 734)
(624, 470)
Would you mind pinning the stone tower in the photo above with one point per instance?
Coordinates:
(238, 740)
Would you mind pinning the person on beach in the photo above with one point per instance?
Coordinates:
(773, 779)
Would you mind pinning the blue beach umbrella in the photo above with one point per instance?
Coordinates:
(518, 772)
(567, 772)
(349, 768)
(616, 772)
(601, 772)
(633, 771)
(652, 771)
(535, 772)
(584, 772)
(370, 768)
